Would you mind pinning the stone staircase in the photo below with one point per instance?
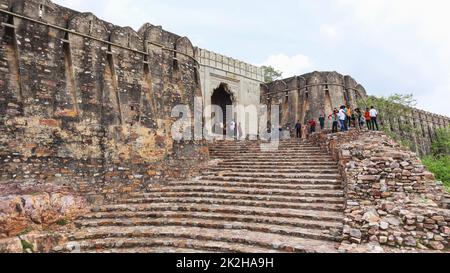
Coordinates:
(247, 200)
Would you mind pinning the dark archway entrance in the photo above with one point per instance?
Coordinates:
(221, 97)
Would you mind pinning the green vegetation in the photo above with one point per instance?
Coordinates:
(439, 162)
(440, 166)
(271, 74)
(62, 222)
(26, 231)
(26, 246)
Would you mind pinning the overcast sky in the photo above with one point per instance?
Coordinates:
(389, 46)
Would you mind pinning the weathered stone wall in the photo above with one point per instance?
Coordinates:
(391, 198)
(87, 103)
(424, 126)
(310, 95)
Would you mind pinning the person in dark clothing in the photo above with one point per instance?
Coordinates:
(312, 126)
(335, 120)
(360, 119)
(298, 129)
(322, 122)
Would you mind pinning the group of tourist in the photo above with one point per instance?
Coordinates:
(345, 119)
(232, 130)
(342, 119)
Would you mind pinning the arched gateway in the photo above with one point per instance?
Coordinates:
(223, 98)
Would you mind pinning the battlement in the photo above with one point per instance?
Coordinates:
(228, 64)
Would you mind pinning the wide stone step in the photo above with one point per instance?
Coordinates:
(285, 153)
(298, 164)
(243, 210)
(289, 175)
(235, 182)
(164, 245)
(298, 161)
(269, 180)
(276, 158)
(229, 217)
(228, 202)
(271, 192)
(275, 154)
(250, 197)
(266, 150)
(249, 238)
(281, 170)
(151, 249)
(213, 224)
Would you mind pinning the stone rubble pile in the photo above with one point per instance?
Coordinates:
(392, 200)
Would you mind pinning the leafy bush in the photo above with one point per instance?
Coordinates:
(440, 166)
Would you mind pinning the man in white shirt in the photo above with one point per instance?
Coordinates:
(374, 118)
(343, 119)
(232, 129)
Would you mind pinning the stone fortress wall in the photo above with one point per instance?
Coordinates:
(310, 95)
(84, 101)
(307, 96)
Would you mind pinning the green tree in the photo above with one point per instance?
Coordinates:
(271, 74)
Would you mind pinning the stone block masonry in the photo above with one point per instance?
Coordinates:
(392, 199)
(87, 104)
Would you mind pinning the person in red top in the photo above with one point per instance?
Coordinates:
(312, 126)
(368, 119)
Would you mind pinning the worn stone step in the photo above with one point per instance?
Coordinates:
(228, 202)
(300, 162)
(164, 245)
(244, 210)
(236, 182)
(259, 239)
(269, 229)
(288, 175)
(276, 154)
(271, 192)
(229, 217)
(262, 151)
(251, 197)
(276, 158)
(316, 162)
(262, 169)
(157, 250)
(268, 180)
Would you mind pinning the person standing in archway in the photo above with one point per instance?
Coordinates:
(232, 129)
(298, 129)
(240, 133)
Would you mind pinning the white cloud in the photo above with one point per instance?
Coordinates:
(289, 65)
(415, 34)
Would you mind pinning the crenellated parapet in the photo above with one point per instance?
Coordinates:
(230, 65)
(310, 95)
